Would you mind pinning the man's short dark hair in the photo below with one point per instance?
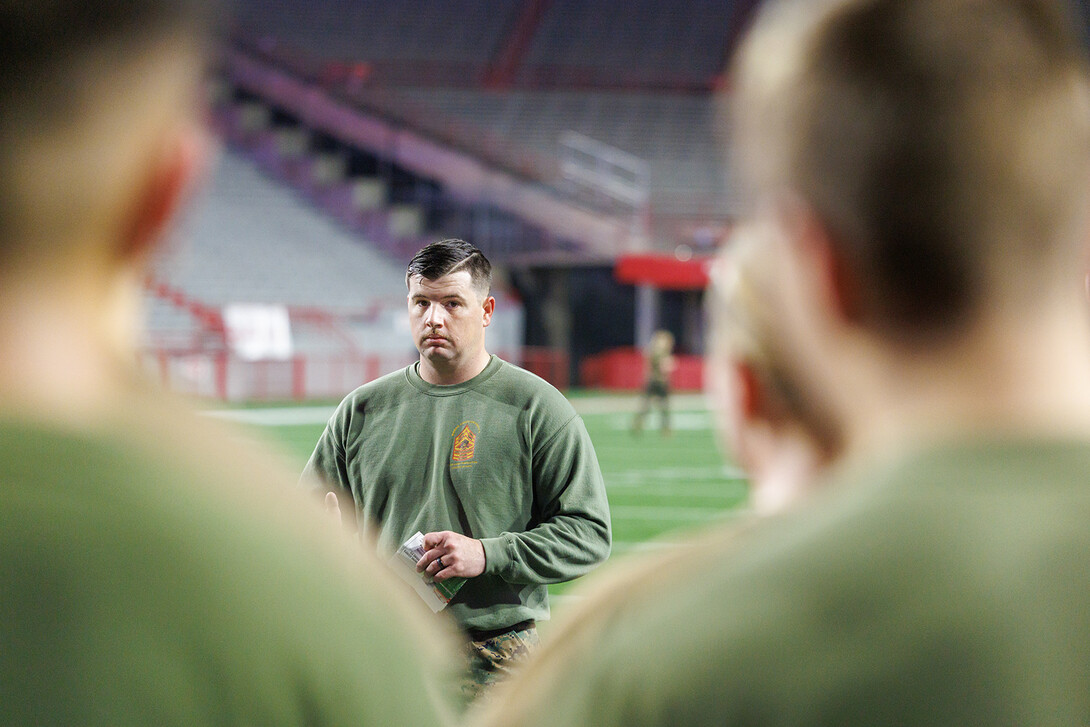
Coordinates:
(943, 143)
(449, 256)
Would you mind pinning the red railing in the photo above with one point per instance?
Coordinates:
(218, 374)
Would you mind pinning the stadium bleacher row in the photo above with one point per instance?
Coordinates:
(456, 35)
(674, 133)
(645, 42)
(248, 240)
(640, 80)
(252, 239)
(567, 42)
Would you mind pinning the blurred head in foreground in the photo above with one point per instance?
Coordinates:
(155, 567)
(102, 136)
(773, 428)
(916, 175)
(920, 171)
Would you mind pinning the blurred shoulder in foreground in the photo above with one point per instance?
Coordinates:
(154, 568)
(920, 175)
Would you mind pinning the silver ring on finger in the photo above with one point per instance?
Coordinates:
(439, 560)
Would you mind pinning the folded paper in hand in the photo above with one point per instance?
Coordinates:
(436, 595)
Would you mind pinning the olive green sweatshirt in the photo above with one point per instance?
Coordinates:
(160, 573)
(949, 588)
(502, 458)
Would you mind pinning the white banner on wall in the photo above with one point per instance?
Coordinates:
(258, 332)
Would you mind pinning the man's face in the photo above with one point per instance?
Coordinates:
(448, 318)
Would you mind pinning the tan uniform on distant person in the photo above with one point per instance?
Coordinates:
(660, 364)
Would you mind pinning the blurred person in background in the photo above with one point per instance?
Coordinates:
(488, 462)
(923, 170)
(153, 569)
(660, 364)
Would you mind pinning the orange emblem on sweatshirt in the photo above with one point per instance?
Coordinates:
(465, 443)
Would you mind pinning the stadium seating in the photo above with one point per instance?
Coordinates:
(451, 40)
(642, 43)
(673, 132)
(638, 79)
(444, 118)
(250, 240)
(572, 43)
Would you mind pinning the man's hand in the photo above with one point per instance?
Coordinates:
(449, 554)
(332, 506)
(341, 517)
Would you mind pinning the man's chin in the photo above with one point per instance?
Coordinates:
(439, 354)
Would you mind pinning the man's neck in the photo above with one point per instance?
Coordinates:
(455, 374)
(788, 471)
(67, 349)
(1014, 381)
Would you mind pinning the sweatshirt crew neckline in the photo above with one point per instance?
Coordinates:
(412, 375)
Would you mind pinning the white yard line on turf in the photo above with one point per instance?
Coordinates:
(621, 404)
(641, 546)
(289, 416)
(669, 476)
(651, 513)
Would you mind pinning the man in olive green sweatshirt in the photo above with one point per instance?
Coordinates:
(919, 174)
(488, 461)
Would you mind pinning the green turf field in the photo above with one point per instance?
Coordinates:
(659, 487)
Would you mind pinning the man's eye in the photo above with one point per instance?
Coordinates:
(421, 304)
(453, 304)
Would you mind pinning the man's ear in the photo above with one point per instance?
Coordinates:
(750, 401)
(170, 178)
(489, 309)
(743, 411)
(837, 283)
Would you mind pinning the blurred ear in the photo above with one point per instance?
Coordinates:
(170, 178)
(740, 401)
(751, 400)
(836, 283)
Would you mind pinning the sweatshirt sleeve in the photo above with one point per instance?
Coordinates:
(326, 469)
(572, 534)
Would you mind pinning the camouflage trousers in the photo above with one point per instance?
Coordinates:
(493, 659)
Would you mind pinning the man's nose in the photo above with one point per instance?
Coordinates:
(434, 316)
